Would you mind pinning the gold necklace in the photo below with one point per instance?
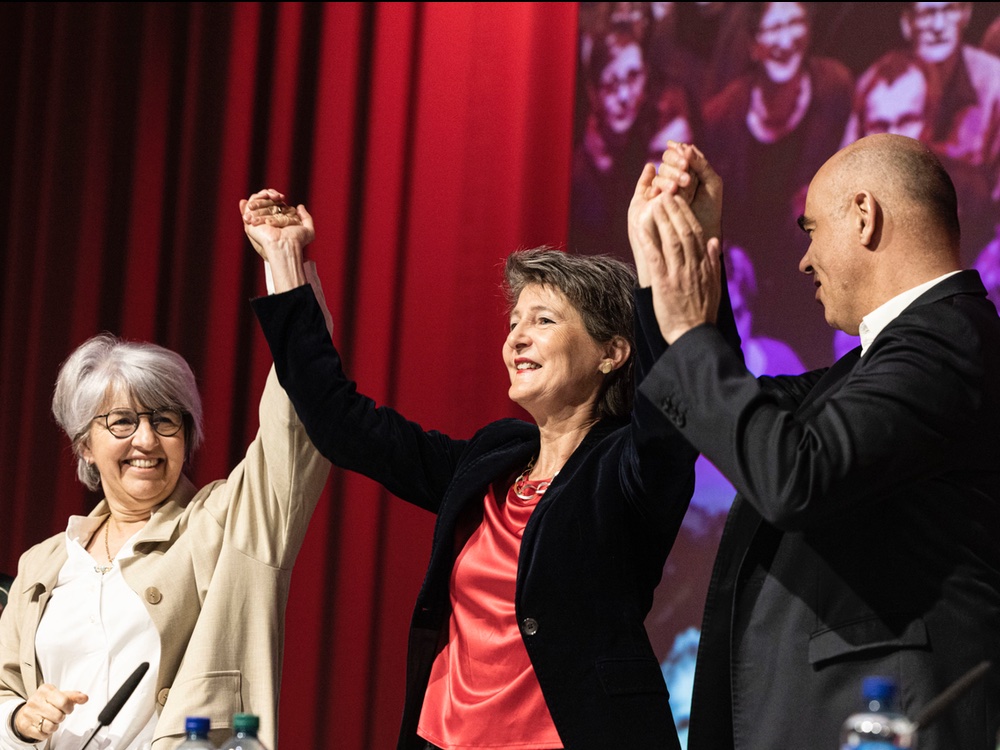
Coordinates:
(102, 569)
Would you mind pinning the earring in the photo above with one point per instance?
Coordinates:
(606, 367)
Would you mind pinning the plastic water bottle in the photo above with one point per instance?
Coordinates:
(879, 726)
(244, 737)
(196, 734)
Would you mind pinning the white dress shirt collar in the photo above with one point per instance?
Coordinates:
(873, 323)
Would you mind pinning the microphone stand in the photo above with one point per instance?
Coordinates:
(110, 711)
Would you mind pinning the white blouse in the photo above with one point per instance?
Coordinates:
(93, 634)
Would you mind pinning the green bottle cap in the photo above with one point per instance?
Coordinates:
(248, 723)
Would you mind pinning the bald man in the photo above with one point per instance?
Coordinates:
(865, 535)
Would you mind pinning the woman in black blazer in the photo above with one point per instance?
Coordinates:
(551, 535)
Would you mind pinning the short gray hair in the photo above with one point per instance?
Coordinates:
(600, 288)
(152, 376)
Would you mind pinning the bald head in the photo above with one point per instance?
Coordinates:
(908, 180)
(881, 215)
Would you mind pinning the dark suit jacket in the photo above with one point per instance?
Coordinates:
(592, 552)
(865, 537)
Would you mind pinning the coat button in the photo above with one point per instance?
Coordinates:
(529, 625)
(161, 697)
(153, 595)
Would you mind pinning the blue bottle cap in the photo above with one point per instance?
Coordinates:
(881, 689)
(199, 724)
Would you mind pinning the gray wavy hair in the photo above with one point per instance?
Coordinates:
(152, 377)
(600, 288)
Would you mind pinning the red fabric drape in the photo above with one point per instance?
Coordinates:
(427, 139)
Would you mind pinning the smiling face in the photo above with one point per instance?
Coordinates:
(137, 472)
(551, 358)
(935, 29)
(781, 40)
(897, 107)
(832, 259)
(622, 86)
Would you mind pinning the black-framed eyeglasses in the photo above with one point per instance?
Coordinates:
(123, 423)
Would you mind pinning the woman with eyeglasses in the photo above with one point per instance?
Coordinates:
(192, 581)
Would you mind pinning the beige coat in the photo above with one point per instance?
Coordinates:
(213, 568)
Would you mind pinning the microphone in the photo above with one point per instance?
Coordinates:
(936, 707)
(110, 711)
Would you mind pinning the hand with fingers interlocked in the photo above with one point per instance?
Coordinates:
(675, 225)
(279, 233)
(682, 171)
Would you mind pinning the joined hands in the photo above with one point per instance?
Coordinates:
(675, 228)
(269, 220)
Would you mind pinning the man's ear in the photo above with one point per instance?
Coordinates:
(866, 218)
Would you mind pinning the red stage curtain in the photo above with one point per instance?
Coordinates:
(427, 139)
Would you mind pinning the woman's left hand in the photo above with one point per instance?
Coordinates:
(269, 221)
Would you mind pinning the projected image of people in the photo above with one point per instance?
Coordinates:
(628, 119)
(773, 126)
(988, 265)
(955, 108)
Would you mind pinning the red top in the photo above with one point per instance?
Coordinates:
(483, 692)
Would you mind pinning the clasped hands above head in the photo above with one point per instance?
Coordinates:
(276, 229)
(270, 207)
(675, 220)
(279, 233)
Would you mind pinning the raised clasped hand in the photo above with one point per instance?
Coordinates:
(684, 267)
(268, 220)
(685, 171)
(678, 173)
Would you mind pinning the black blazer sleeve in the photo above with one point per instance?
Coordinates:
(346, 426)
(905, 411)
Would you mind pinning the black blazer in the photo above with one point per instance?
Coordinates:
(865, 538)
(592, 553)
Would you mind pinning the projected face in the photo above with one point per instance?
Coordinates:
(621, 88)
(935, 29)
(781, 40)
(897, 107)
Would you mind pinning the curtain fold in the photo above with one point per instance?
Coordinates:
(428, 140)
